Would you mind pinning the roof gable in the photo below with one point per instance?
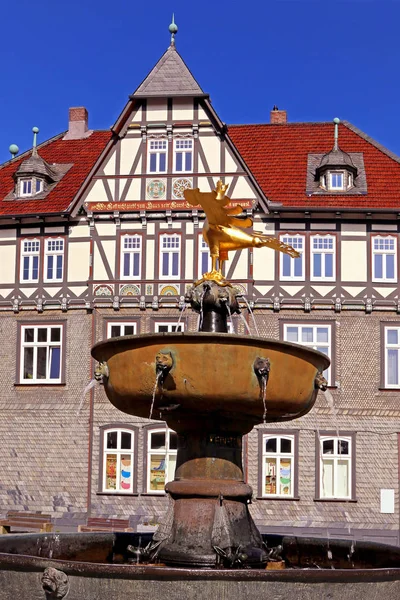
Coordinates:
(170, 77)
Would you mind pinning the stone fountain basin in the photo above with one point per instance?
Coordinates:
(211, 372)
(371, 572)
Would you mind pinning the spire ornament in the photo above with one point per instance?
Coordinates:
(35, 131)
(173, 29)
(336, 134)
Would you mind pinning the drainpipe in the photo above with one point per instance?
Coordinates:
(90, 422)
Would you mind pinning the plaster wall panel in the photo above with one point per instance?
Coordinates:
(5, 292)
(156, 109)
(323, 290)
(134, 191)
(291, 226)
(182, 109)
(206, 183)
(354, 229)
(323, 226)
(29, 230)
(211, 148)
(243, 189)
(383, 227)
(99, 268)
(78, 261)
(52, 291)
(267, 228)
(131, 226)
(79, 231)
(263, 264)
(203, 116)
(354, 260)
(263, 289)
(8, 234)
(106, 228)
(78, 290)
(150, 259)
(52, 230)
(231, 164)
(384, 292)
(151, 228)
(28, 292)
(189, 250)
(129, 150)
(137, 116)
(7, 264)
(190, 228)
(97, 193)
(241, 269)
(109, 165)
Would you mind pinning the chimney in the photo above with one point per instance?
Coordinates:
(278, 116)
(78, 124)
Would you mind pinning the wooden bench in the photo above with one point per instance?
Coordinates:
(103, 524)
(24, 521)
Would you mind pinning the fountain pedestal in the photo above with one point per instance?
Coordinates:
(211, 520)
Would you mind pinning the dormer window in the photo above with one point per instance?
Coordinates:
(30, 187)
(336, 180)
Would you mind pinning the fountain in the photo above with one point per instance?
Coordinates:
(212, 388)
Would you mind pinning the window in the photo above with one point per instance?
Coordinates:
(293, 268)
(131, 256)
(336, 181)
(392, 357)
(318, 337)
(183, 155)
(170, 256)
(322, 257)
(26, 187)
(54, 258)
(30, 260)
(204, 265)
(384, 258)
(161, 459)
(157, 159)
(118, 329)
(335, 476)
(171, 327)
(41, 348)
(278, 465)
(118, 461)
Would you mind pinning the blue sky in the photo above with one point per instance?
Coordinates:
(316, 58)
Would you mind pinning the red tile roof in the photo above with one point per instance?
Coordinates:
(277, 157)
(81, 153)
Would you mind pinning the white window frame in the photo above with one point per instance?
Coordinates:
(157, 147)
(170, 251)
(119, 452)
(170, 325)
(203, 249)
(293, 240)
(314, 344)
(131, 252)
(384, 252)
(54, 252)
(30, 248)
(167, 452)
(331, 175)
(278, 456)
(36, 345)
(21, 187)
(392, 347)
(335, 457)
(122, 325)
(184, 151)
(323, 252)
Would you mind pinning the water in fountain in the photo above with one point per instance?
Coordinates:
(252, 315)
(89, 386)
(230, 317)
(245, 323)
(158, 378)
(180, 317)
(331, 403)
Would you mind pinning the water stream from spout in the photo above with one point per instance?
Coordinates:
(89, 386)
(264, 397)
(201, 309)
(158, 377)
(180, 317)
(138, 554)
(230, 317)
(252, 315)
(245, 322)
(331, 403)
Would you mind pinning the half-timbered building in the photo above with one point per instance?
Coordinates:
(96, 240)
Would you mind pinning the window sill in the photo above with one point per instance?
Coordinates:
(285, 499)
(37, 384)
(348, 500)
(154, 494)
(117, 494)
(389, 389)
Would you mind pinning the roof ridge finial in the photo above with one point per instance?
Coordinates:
(336, 134)
(35, 131)
(173, 29)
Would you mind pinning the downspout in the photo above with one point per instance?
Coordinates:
(91, 417)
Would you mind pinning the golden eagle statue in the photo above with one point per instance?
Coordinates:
(223, 231)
